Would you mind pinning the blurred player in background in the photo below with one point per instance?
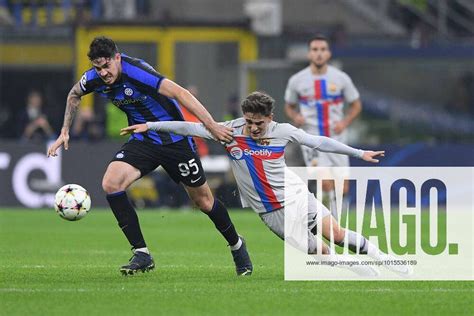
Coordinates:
(258, 163)
(145, 95)
(315, 98)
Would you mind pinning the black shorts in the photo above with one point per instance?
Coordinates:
(179, 160)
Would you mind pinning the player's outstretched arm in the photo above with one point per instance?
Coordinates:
(326, 144)
(370, 155)
(176, 127)
(72, 105)
(186, 99)
(134, 129)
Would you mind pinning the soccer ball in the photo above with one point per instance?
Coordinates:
(72, 202)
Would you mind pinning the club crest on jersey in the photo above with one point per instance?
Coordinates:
(263, 142)
(128, 91)
(332, 88)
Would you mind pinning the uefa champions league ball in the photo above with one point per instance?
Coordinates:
(72, 202)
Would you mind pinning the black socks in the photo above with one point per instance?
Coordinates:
(127, 218)
(220, 218)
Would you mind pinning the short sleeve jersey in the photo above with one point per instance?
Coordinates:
(136, 94)
(321, 99)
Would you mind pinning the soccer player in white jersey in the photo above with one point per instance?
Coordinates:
(315, 98)
(258, 164)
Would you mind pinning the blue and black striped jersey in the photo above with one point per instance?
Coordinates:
(136, 93)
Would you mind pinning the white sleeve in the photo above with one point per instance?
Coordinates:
(324, 144)
(291, 96)
(349, 90)
(181, 128)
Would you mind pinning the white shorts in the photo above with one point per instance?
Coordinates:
(275, 221)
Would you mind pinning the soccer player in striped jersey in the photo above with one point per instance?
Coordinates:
(258, 164)
(315, 98)
(145, 95)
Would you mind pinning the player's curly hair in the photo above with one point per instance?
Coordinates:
(258, 102)
(102, 46)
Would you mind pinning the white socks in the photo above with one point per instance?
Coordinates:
(144, 249)
(237, 245)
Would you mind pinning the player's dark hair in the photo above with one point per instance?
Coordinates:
(259, 103)
(102, 46)
(318, 37)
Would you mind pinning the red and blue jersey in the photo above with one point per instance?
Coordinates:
(321, 98)
(258, 157)
(259, 165)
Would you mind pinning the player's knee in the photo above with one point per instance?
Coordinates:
(204, 203)
(339, 234)
(328, 186)
(346, 187)
(110, 186)
(202, 198)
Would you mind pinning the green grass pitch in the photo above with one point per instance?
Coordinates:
(49, 266)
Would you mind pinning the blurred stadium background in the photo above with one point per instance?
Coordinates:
(412, 60)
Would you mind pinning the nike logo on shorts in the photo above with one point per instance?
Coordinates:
(196, 180)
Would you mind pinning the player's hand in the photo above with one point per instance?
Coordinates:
(63, 139)
(138, 128)
(299, 120)
(339, 127)
(221, 133)
(369, 155)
